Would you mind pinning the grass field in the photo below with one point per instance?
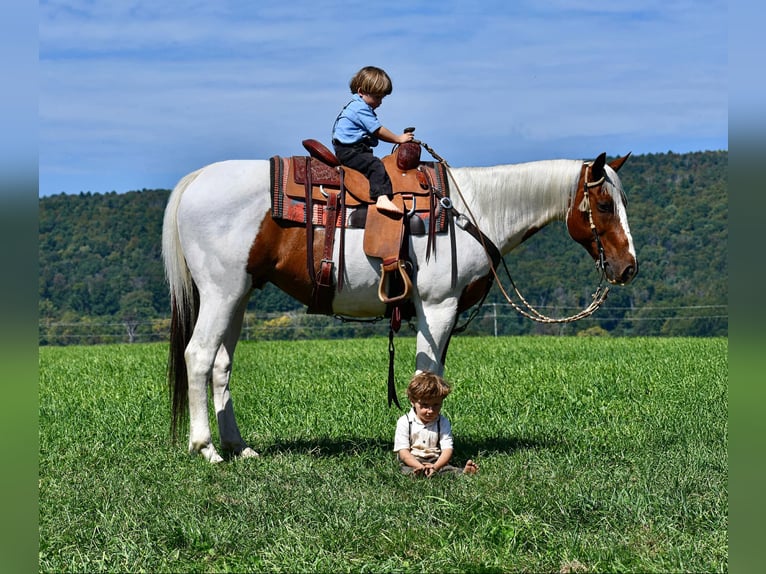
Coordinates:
(595, 454)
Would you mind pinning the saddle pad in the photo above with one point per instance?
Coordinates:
(289, 208)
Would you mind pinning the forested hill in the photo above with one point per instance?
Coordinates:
(100, 261)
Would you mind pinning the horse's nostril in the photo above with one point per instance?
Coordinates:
(629, 273)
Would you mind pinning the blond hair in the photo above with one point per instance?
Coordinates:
(427, 387)
(371, 80)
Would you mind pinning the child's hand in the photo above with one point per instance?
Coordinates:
(428, 469)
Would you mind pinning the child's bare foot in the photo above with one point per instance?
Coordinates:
(470, 468)
(387, 206)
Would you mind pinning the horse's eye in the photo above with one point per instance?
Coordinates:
(605, 207)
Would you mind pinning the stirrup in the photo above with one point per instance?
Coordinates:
(385, 269)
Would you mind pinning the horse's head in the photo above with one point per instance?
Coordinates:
(597, 219)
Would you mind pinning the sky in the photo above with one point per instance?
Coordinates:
(136, 94)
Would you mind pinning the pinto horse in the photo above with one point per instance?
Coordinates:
(220, 243)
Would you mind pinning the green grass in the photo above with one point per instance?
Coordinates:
(596, 455)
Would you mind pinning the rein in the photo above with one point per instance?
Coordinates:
(525, 308)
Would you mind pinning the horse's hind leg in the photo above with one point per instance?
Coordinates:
(231, 439)
(213, 322)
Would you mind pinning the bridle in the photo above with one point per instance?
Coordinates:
(524, 308)
(601, 263)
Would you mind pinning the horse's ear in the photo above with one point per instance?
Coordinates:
(597, 170)
(616, 164)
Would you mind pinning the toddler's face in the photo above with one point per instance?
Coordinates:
(372, 100)
(428, 411)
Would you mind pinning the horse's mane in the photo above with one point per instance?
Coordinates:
(547, 185)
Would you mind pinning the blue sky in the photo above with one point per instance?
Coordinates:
(135, 94)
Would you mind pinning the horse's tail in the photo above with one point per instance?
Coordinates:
(184, 301)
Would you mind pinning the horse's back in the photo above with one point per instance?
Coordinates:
(232, 181)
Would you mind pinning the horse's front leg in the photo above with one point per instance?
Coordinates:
(435, 324)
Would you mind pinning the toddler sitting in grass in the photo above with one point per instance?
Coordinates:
(423, 437)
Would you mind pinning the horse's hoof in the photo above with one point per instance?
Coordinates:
(211, 455)
(239, 450)
(248, 453)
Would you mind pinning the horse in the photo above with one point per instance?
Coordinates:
(220, 243)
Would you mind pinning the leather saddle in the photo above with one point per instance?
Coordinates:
(324, 193)
(324, 171)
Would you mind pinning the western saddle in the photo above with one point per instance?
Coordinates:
(317, 191)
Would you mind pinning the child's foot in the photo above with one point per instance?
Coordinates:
(385, 205)
(470, 468)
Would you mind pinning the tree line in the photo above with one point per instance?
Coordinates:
(101, 265)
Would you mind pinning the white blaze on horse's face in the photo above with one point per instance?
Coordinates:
(621, 210)
(622, 267)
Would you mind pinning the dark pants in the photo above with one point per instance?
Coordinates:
(359, 156)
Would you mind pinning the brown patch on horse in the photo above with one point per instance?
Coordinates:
(577, 221)
(278, 256)
(473, 293)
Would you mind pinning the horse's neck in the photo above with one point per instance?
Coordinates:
(509, 201)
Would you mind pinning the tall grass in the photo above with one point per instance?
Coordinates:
(595, 455)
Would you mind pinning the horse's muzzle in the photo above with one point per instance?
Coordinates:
(623, 277)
